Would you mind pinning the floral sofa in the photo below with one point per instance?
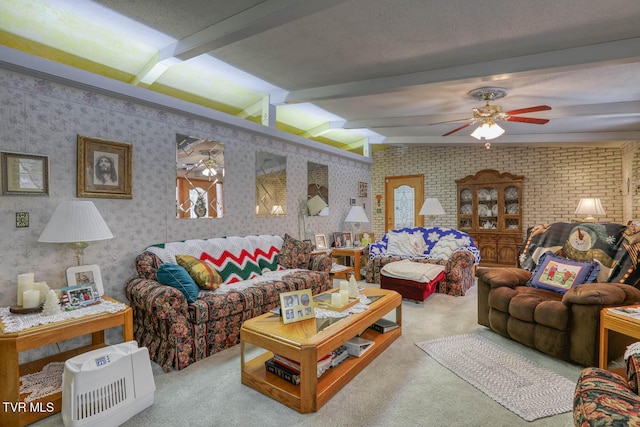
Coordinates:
(569, 272)
(452, 248)
(189, 298)
(603, 398)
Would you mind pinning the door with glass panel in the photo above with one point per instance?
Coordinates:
(404, 196)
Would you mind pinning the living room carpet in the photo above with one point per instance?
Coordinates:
(523, 387)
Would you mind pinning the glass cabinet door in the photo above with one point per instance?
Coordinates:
(465, 214)
(511, 208)
(487, 208)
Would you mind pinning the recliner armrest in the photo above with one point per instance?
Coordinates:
(602, 294)
(498, 277)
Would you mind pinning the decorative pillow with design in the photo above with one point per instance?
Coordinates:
(201, 272)
(400, 244)
(294, 253)
(177, 277)
(559, 274)
(445, 246)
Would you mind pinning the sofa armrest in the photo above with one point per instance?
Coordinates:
(508, 276)
(605, 294)
(155, 299)
(320, 262)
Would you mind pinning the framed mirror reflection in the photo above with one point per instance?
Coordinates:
(271, 184)
(199, 177)
(317, 185)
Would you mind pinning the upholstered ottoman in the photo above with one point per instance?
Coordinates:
(412, 280)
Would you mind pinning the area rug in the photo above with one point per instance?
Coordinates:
(523, 387)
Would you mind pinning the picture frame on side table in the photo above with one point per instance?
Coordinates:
(74, 297)
(321, 241)
(296, 306)
(338, 240)
(85, 274)
(105, 168)
(24, 174)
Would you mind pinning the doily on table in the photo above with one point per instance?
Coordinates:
(17, 322)
(44, 383)
(363, 305)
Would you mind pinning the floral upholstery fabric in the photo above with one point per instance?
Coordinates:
(178, 333)
(459, 276)
(294, 253)
(603, 398)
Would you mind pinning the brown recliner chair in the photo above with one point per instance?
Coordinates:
(563, 326)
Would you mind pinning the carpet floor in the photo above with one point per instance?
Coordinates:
(401, 387)
(523, 387)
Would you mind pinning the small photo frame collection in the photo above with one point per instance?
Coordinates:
(296, 306)
(73, 297)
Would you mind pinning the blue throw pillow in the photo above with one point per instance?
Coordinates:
(176, 276)
(559, 274)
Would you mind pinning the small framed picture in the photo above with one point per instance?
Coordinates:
(84, 275)
(352, 201)
(321, 241)
(347, 238)
(104, 168)
(296, 306)
(362, 189)
(24, 174)
(338, 240)
(74, 297)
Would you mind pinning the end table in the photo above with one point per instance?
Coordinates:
(354, 253)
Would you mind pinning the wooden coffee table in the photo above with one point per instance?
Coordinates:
(302, 342)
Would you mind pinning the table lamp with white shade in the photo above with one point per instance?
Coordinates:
(590, 206)
(76, 223)
(356, 216)
(431, 208)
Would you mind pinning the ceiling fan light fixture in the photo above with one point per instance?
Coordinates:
(487, 131)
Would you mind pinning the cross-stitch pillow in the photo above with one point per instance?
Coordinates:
(559, 274)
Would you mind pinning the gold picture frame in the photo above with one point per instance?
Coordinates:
(24, 174)
(105, 168)
(296, 306)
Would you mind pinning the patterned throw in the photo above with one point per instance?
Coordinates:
(523, 387)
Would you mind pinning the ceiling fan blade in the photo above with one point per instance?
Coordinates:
(528, 110)
(531, 120)
(457, 129)
(450, 121)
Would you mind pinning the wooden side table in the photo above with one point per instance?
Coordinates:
(16, 412)
(612, 319)
(354, 253)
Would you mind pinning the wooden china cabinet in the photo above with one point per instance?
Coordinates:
(490, 210)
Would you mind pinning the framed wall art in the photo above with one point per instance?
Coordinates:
(362, 189)
(104, 168)
(24, 174)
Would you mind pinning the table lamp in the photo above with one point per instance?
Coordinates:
(590, 206)
(77, 223)
(357, 216)
(430, 208)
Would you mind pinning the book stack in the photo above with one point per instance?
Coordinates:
(384, 326)
(289, 370)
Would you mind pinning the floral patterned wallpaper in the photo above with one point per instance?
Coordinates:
(42, 117)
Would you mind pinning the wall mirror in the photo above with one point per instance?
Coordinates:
(318, 182)
(199, 177)
(271, 184)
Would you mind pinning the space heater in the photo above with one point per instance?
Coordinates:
(107, 386)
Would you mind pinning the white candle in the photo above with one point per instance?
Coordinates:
(344, 294)
(30, 298)
(336, 299)
(25, 279)
(344, 285)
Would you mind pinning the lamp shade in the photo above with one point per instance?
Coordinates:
(487, 131)
(431, 207)
(590, 206)
(315, 205)
(356, 214)
(75, 221)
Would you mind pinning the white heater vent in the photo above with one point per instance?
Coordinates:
(91, 396)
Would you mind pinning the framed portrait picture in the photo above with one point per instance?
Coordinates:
(338, 239)
(84, 275)
(24, 174)
(296, 306)
(362, 189)
(104, 168)
(321, 241)
(347, 238)
(74, 297)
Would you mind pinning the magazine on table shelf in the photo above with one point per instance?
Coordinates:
(384, 325)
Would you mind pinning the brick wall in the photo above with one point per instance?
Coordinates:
(555, 178)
